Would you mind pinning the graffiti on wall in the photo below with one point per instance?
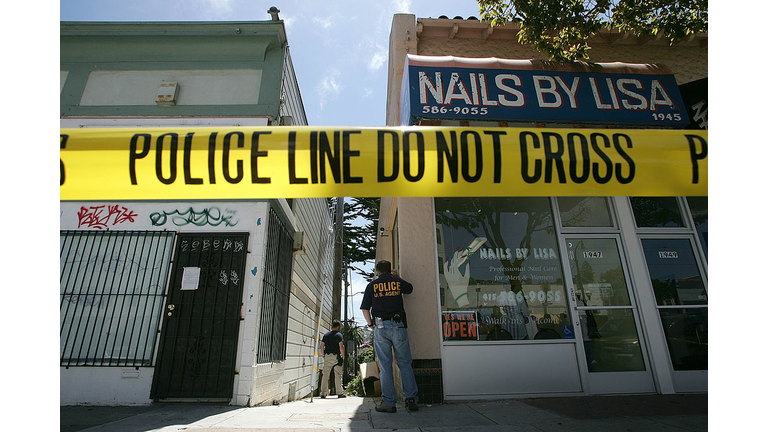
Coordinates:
(100, 217)
(212, 216)
(206, 244)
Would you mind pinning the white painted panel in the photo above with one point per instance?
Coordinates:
(105, 386)
(691, 381)
(197, 87)
(621, 382)
(504, 370)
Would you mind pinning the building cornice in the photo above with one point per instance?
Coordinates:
(274, 29)
(475, 29)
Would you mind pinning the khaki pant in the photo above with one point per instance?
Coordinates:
(331, 362)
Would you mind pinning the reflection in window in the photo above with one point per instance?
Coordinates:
(699, 210)
(499, 257)
(674, 272)
(584, 212)
(656, 212)
(687, 337)
(598, 276)
(610, 340)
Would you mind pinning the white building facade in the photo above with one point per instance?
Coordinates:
(188, 300)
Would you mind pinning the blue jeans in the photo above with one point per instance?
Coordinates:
(386, 336)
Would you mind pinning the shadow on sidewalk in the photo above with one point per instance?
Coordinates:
(77, 418)
(602, 407)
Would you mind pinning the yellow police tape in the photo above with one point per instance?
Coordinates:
(291, 162)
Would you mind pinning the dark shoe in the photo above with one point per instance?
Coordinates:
(382, 407)
(342, 396)
(410, 404)
(322, 396)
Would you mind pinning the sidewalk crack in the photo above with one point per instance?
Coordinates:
(481, 414)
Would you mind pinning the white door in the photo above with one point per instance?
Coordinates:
(613, 355)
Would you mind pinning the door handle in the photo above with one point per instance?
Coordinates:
(171, 307)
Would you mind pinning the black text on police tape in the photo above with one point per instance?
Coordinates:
(544, 157)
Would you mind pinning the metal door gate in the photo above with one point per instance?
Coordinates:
(198, 342)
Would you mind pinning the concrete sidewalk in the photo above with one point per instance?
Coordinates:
(586, 413)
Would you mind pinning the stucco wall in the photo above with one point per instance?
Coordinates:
(114, 386)
(417, 254)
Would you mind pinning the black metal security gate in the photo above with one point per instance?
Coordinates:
(112, 289)
(276, 295)
(198, 342)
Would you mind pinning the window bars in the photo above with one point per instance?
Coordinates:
(112, 286)
(273, 327)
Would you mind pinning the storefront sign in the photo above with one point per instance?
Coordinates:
(695, 95)
(492, 89)
(189, 163)
(460, 325)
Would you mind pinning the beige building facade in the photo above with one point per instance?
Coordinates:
(623, 320)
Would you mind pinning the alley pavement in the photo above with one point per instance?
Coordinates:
(636, 413)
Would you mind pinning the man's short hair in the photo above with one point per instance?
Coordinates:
(384, 266)
(335, 324)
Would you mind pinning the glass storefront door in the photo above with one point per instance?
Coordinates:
(673, 235)
(614, 354)
(681, 302)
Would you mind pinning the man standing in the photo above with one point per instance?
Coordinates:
(383, 309)
(332, 347)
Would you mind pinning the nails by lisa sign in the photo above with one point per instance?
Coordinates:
(451, 88)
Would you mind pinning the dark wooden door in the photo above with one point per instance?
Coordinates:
(198, 341)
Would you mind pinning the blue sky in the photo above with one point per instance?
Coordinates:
(339, 49)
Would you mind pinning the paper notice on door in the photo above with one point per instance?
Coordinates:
(191, 278)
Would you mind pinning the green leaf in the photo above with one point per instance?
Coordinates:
(560, 28)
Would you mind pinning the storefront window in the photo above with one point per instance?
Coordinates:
(676, 280)
(610, 340)
(656, 212)
(584, 212)
(699, 211)
(674, 272)
(687, 337)
(598, 276)
(500, 271)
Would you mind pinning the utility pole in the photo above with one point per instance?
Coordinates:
(338, 258)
